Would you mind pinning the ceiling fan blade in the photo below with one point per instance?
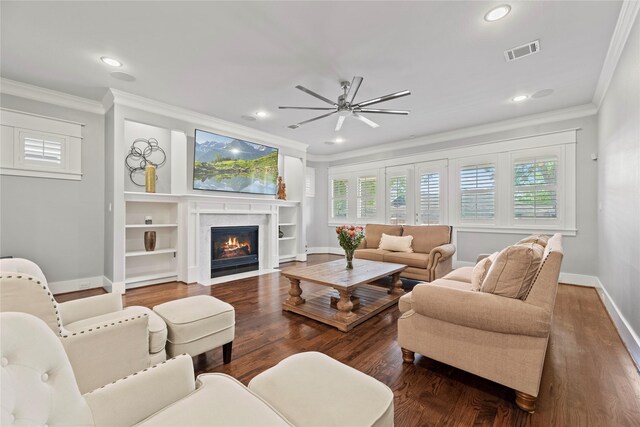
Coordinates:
(353, 89)
(383, 98)
(307, 108)
(312, 93)
(365, 120)
(340, 122)
(297, 125)
(377, 111)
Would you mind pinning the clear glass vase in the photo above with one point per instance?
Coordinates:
(349, 257)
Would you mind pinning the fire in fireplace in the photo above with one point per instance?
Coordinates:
(234, 250)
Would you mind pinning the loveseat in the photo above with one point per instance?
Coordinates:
(432, 249)
(503, 339)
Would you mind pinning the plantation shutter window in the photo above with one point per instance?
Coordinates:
(366, 190)
(42, 150)
(339, 198)
(478, 192)
(429, 203)
(535, 194)
(397, 200)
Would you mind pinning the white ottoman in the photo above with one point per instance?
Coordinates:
(312, 389)
(198, 324)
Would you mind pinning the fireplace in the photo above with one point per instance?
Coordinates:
(234, 250)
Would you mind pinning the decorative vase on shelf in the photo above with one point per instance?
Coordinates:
(150, 178)
(280, 233)
(149, 241)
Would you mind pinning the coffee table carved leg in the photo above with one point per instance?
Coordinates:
(345, 305)
(294, 293)
(396, 285)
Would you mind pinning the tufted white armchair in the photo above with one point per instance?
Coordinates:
(103, 340)
(39, 389)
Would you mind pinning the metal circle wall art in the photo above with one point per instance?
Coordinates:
(144, 152)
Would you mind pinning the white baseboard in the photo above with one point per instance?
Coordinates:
(579, 279)
(627, 334)
(65, 286)
(325, 250)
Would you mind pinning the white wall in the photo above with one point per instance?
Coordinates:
(581, 250)
(59, 224)
(619, 185)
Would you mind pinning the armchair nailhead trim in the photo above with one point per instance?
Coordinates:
(46, 289)
(104, 326)
(136, 373)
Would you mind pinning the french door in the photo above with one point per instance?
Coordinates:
(415, 194)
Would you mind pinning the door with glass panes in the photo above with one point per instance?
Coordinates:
(415, 194)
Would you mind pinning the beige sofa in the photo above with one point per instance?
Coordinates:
(432, 249)
(498, 338)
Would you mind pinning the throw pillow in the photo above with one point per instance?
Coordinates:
(539, 239)
(396, 243)
(512, 273)
(480, 271)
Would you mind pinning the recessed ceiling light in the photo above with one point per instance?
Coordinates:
(111, 61)
(497, 13)
(262, 114)
(339, 140)
(519, 98)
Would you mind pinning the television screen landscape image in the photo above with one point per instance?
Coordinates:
(222, 163)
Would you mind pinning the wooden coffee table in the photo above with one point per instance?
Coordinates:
(348, 307)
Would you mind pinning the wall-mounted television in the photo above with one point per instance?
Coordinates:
(223, 163)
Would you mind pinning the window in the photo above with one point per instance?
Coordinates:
(535, 194)
(397, 200)
(339, 198)
(429, 203)
(42, 150)
(366, 193)
(478, 192)
(38, 146)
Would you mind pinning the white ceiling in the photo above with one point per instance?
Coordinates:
(229, 59)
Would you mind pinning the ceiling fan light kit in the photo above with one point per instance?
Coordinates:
(345, 106)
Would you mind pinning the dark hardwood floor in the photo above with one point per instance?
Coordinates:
(589, 378)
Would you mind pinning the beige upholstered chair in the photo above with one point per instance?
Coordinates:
(38, 388)
(103, 340)
(495, 337)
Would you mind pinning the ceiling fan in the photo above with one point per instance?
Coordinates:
(345, 106)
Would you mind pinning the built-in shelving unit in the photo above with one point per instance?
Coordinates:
(144, 267)
(287, 244)
(178, 212)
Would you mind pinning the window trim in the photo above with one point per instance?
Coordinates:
(18, 125)
(456, 193)
(500, 150)
(352, 178)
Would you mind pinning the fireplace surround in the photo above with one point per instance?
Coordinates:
(234, 249)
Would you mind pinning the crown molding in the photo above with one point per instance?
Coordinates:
(48, 96)
(626, 19)
(469, 132)
(118, 97)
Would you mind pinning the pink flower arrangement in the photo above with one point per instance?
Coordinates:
(350, 237)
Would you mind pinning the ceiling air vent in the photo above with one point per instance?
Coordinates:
(522, 51)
